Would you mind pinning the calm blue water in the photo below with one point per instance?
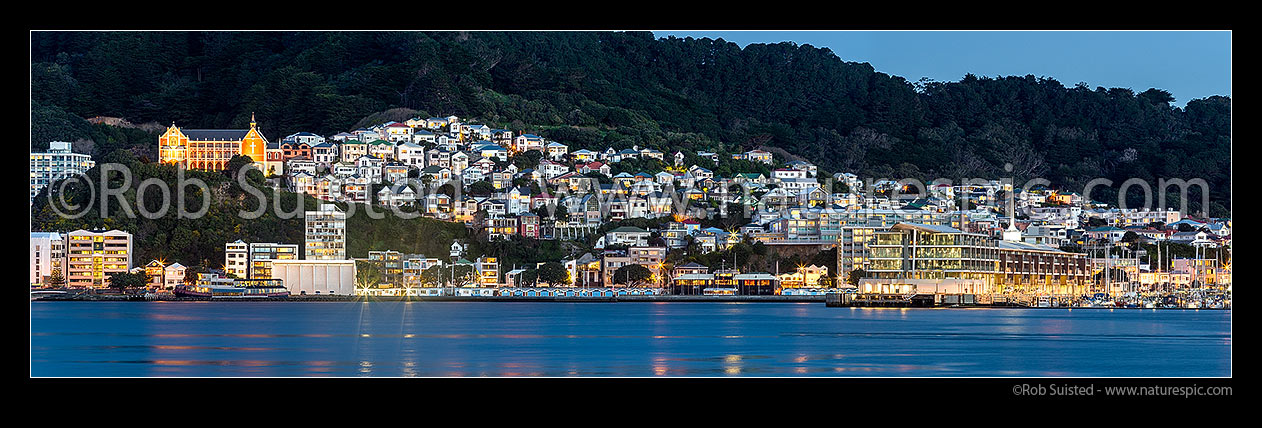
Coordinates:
(616, 339)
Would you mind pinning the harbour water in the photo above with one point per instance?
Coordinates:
(248, 339)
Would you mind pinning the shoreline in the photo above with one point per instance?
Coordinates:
(617, 299)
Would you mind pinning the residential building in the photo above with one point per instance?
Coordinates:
(48, 256)
(58, 163)
(93, 256)
(325, 234)
(236, 257)
(629, 236)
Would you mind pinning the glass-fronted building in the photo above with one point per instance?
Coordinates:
(921, 251)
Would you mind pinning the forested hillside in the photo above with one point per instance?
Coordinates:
(615, 89)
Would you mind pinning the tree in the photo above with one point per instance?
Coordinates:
(463, 274)
(481, 188)
(236, 163)
(633, 275)
(190, 274)
(855, 276)
(367, 274)
(1130, 237)
(432, 277)
(55, 279)
(124, 280)
(554, 273)
(528, 278)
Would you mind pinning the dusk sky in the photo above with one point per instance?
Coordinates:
(1188, 64)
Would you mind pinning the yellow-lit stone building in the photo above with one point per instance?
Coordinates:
(210, 149)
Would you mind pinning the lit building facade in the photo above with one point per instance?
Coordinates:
(852, 250)
(210, 149)
(488, 271)
(1026, 268)
(48, 256)
(262, 254)
(236, 259)
(919, 251)
(56, 164)
(325, 234)
(93, 256)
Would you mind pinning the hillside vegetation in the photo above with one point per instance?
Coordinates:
(618, 89)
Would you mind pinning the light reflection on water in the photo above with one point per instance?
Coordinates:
(623, 339)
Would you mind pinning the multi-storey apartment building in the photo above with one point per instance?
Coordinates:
(488, 270)
(236, 259)
(48, 256)
(390, 264)
(56, 164)
(262, 254)
(93, 256)
(325, 234)
(852, 250)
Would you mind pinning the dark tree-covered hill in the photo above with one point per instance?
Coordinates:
(614, 89)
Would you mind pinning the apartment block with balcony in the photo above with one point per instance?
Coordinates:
(92, 257)
(59, 162)
(325, 234)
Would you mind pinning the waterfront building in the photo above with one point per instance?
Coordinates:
(306, 277)
(414, 265)
(210, 149)
(803, 277)
(59, 162)
(585, 271)
(1026, 268)
(852, 250)
(390, 264)
(325, 234)
(263, 254)
(689, 268)
(488, 269)
(691, 283)
(609, 265)
(92, 256)
(48, 257)
(755, 284)
(920, 251)
(153, 273)
(164, 276)
(173, 275)
(1202, 271)
(651, 258)
(236, 256)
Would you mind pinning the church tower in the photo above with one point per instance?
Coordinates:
(253, 144)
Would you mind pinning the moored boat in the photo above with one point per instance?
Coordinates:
(213, 286)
